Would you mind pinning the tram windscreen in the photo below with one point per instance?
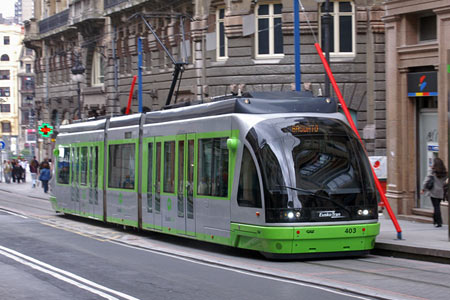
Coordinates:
(314, 170)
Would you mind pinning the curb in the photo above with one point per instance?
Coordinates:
(412, 252)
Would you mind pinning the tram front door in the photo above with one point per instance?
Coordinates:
(185, 190)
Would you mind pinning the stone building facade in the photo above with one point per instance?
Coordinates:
(417, 76)
(226, 47)
(10, 48)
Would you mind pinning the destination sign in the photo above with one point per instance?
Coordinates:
(304, 128)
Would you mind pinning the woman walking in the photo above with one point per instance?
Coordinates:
(434, 185)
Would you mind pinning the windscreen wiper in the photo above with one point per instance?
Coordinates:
(315, 194)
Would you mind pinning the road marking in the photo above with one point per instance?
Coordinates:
(66, 276)
(14, 214)
(246, 272)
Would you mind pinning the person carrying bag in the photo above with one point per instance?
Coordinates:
(434, 186)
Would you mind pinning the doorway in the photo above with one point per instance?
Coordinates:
(428, 147)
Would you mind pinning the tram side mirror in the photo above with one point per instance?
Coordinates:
(56, 152)
(232, 143)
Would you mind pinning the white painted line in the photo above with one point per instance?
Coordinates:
(249, 272)
(58, 273)
(14, 214)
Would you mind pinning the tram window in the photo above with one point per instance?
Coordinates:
(190, 180)
(83, 165)
(213, 167)
(121, 166)
(74, 165)
(169, 167)
(158, 178)
(94, 167)
(180, 179)
(64, 165)
(249, 192)
(150, 178)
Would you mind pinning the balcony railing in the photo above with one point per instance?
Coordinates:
(53, 22)
(111, 3)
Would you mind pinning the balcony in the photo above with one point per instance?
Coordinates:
(111, 3)
(31, 30)
(83, 11)
(53, 22)
(115, 6)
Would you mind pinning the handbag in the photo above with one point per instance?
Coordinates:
(430, 183)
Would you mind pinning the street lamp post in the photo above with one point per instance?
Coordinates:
(326, 23)
(77, 76)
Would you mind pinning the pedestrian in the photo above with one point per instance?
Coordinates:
(16, 171)
(434, 186)
(7, 169)
(24, 164)
(34, 166)
(45, 176)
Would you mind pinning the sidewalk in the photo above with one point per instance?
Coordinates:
(24, 188)
(419, 240)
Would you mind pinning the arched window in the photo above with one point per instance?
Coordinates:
(4, 57)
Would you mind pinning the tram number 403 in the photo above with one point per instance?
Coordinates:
(350, 230)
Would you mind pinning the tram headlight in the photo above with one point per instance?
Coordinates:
(363, 212)
(290, 215)
(298, 215)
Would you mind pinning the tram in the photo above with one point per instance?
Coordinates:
(279, 173)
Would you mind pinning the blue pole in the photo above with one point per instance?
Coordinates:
(140, 73)
(298, 75)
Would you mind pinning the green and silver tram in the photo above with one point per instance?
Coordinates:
(277, 173)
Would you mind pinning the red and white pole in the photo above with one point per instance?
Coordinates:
(130, 96)
(352, 125)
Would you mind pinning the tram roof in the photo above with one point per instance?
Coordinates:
(249, 103)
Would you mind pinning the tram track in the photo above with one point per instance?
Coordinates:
(242, 265)
(384, 272)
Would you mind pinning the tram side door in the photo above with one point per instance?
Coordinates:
(149, 187)
(185, 189)
(93, 183)
(74, 191)
(157, 215)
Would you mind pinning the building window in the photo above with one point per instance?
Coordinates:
(4, 75)
(5, 108)
(28, 51)
(427, 28)
(6, 126)
(28, 68)
(4, 57)
(98, 77)
(6, 40)
(4, 92)
(269, 34)
(222, 41)
(342, 27)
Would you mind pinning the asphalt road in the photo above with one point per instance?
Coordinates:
(43, 262)
(149, 265)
